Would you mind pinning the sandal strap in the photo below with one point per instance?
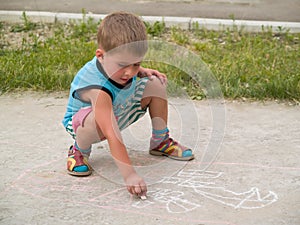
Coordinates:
(76, 159)
(171, 147)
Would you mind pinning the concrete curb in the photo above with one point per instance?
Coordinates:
(183, 22)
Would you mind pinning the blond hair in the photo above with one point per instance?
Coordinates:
(122, 28)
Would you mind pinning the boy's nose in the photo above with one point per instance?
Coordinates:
(129, 70)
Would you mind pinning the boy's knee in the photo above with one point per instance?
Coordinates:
(155, 88)
(154, 80)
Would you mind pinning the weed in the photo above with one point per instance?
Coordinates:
(85, 27)
(156, 29)
(27, 25)
(179, 36)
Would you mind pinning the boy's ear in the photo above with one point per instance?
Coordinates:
(99, 53)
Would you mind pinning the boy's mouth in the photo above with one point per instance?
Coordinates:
(125, 80)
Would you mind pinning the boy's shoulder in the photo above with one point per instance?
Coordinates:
(89, 70)
(90, 64)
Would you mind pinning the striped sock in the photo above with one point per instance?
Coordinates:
(158, 136)
(85, 152)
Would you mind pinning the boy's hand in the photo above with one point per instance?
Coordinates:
(136, 185)
(145, 72)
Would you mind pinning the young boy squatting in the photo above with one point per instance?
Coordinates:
(113, 91)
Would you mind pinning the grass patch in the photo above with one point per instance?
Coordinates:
(258, 66)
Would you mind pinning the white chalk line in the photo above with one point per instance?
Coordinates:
(203, 183)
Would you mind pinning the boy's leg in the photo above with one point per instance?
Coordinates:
(155, 97)
(86, 134)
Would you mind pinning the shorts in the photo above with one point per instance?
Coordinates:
(131, 114)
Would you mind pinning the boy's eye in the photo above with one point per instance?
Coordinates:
(137, 64)
(122, 65)
(125, 65)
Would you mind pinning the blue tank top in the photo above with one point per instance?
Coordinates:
(93, 76)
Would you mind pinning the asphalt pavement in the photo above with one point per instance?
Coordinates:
(266, 10)
(252, 179)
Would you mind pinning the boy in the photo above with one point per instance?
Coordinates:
(106, 97)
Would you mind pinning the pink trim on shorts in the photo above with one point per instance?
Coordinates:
(79, 117)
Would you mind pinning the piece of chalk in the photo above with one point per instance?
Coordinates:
(143, 197)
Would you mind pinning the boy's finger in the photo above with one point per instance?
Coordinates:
(163, 80)
(144, 191)
(129, 188)
(143, 187)
(137, 190)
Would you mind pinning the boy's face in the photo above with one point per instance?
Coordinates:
(120, 66)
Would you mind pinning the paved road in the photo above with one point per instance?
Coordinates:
(270, 10)
(253, 180)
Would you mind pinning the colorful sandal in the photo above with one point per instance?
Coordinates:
(77, 165)
(173, 150)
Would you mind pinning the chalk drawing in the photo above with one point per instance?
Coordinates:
(174, 200)
(203, 183)
(172, 197)
(246, 200)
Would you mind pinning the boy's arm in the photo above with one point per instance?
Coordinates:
(105, 119)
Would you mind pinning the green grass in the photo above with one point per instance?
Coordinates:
(256, 66)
